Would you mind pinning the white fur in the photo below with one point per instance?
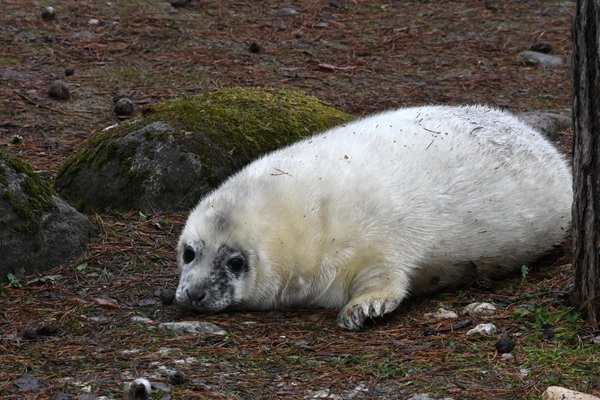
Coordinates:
(404, 202)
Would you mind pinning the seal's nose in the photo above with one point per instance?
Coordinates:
(194, 298)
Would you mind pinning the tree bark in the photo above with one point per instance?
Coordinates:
(586, 159)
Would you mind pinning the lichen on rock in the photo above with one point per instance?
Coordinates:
(38, 230)
(183, 148)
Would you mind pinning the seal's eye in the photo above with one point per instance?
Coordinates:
(188, 254)
(236, 264)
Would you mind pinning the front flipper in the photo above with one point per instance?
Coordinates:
(373, 296)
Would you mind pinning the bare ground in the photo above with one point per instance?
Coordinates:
(68, 334)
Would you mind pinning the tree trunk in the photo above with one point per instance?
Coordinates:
(586, 159)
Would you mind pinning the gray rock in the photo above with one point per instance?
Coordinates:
(425, 396)
(169, 158)
(544, 60)
(38, 230)
(193, 327)
(483, 330)
(550, 123)
(480, 309)
(59, 90)
(560, 393)
(123, 106)
(48, 13)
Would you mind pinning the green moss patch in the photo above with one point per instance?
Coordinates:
(219, 131)
(34, 199)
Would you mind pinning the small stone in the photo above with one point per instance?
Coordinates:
(559, 393)
(123, 107)
(15, 139)
(93, 21)
(59, 90)
(195, 327)
(254, 47)
(69, 71)
(544, 60)
(505, 345)
(483, 330)
(141, 320)
(441, 314)
(48, 13)
(286, 10)
(167, 296)
(138, 389)
(178, 3)
(480, 308)
(177, 377)
(542, 47)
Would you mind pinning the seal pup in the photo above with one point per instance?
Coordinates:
(406, 202)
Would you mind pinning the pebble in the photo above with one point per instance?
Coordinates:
(177, 377)
(123, 107)
(483, 330)
(560, 393)
(48, 13)
(505, 345)
(59, 90)
(480, 308)
(544, 60)
(178, 3)
(141, 320)
(441, 314)
(69, 71)
(286, 10)
(167, 296)
(194, 327)
(138, 389)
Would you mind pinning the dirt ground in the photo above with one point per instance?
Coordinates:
(68, 334)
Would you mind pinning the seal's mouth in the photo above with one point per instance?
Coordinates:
(200, 302)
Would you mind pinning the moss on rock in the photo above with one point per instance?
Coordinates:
(37, 229)
(27, 195)
(185, 147)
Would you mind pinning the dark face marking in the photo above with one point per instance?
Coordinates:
(217, 290)
(230, 260)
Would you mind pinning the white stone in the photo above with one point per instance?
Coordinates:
(441, 314)
(480, 308)
(133, 389)
(559, 393)
(194, 327)
(483, 330)
(141, 320)
(545, 60)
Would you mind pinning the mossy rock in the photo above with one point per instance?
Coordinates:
(38, 230)
(183, 148)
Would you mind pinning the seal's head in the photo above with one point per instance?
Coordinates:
(213, 270)
(211, 277)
